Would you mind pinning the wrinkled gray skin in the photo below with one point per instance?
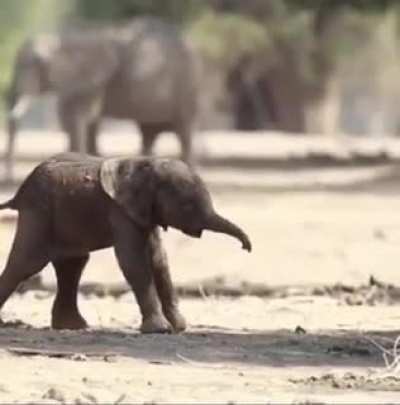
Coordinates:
(141, 71)
(73, 204)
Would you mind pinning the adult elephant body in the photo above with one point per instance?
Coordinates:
(141, 71)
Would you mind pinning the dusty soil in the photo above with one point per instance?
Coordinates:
(310, 316)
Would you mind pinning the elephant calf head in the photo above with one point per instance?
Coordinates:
(166, 193)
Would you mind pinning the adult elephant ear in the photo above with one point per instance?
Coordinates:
(131, 185)
(77, 63)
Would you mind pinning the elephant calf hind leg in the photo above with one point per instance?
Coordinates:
(28, 254)
(65, 312)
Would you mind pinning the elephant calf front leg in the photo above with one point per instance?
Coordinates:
(131, 249)
(165, 288)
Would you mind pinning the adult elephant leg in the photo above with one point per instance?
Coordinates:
(184, 134)
(162, 278)
(149, 135)
(65, 313)
(92, 131)
(132, 252)
(29, 253)
(75, 124)
(76, 128)
(76, 114)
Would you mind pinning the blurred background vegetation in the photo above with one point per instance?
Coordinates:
(292, 65)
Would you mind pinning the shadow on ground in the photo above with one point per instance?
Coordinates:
(204, 345)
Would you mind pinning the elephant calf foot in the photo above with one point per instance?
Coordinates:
(176, 319)
(70, 320)
(155, 324)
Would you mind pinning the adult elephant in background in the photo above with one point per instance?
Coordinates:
(141, 70)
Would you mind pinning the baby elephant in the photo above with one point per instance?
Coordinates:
(72, 204)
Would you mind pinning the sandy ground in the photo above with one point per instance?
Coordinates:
(299, 320)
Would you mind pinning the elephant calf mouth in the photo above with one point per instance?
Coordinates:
(195, 233)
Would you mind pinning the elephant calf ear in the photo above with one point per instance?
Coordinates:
(131, 185)
(108, 174)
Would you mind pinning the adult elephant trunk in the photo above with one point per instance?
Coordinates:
(17, 107)
(217, 223)
(12, 124)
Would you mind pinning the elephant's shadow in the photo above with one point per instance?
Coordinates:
(204, 346)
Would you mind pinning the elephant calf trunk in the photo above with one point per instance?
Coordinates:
(217, 223)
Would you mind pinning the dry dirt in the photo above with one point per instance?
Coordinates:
(306, 318)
